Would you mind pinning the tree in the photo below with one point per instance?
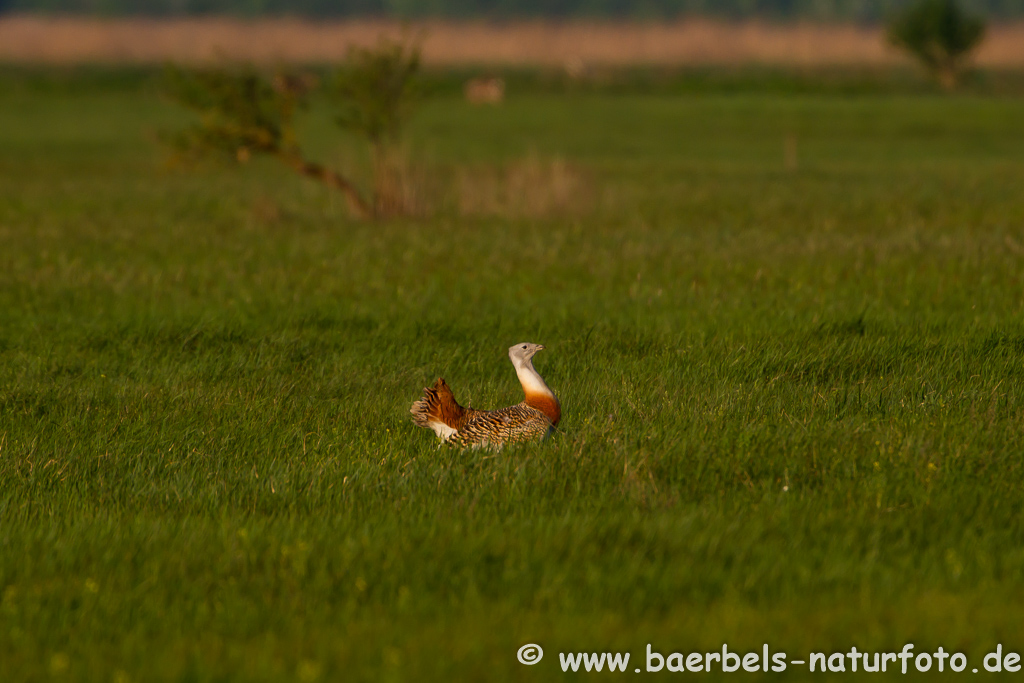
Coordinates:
(940, 34)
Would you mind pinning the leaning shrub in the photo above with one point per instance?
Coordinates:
(244, 112)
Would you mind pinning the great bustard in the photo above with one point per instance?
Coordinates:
(534, 418)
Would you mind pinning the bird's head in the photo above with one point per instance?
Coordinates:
(520, 354)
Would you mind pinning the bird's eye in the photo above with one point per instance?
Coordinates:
(524, 347)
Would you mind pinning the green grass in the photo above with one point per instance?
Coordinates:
(793, 399)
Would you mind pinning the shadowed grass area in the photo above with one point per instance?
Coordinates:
(793, 407)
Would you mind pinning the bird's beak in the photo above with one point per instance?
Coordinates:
(540, 347)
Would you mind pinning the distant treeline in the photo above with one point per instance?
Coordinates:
(829, 10)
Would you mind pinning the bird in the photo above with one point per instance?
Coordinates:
(534, 418)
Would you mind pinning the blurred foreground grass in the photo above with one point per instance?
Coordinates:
(786, 331)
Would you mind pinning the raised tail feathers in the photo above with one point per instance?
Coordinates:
(438, 410)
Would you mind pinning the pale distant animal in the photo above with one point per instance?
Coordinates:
(534, 418)
(485, 90)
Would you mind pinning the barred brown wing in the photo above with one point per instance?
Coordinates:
(508, 425)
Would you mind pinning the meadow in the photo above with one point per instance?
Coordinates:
(785, 327)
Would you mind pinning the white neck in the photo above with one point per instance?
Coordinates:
(531, 380)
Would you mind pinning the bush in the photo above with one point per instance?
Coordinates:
(940, 34)
(376, 93)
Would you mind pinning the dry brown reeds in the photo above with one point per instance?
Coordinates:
(530, 187)
(576, 45)
(403, 188)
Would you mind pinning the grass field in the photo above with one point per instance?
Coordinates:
(786, 331)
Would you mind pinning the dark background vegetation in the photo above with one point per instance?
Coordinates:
(832, 10)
